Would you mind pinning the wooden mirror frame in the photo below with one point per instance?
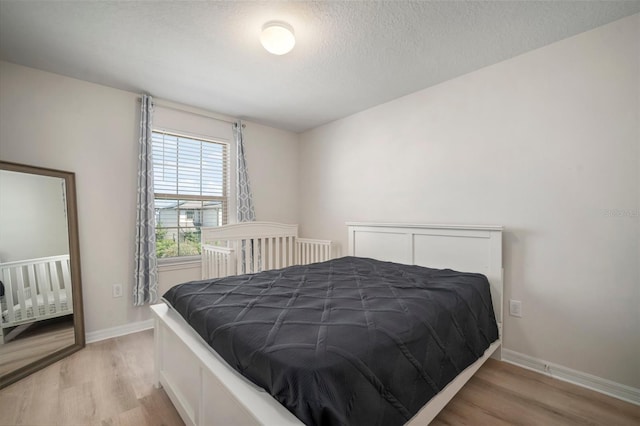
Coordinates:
(74, 261)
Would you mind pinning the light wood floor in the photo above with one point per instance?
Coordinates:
(109, 383)
(36, 343)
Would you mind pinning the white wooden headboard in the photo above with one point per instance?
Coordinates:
(464, 248)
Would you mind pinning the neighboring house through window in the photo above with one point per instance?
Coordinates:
(191, 191)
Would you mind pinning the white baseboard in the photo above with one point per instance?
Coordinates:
(598, 384)
(121, 330)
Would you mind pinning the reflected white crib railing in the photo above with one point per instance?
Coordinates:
(34, 290)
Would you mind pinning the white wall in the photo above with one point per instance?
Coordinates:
(546, 144)
(269, 147)
(53, 121)
(33, 219)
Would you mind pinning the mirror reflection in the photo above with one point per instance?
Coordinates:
(36, 294)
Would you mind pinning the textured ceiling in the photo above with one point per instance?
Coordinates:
(349, 56)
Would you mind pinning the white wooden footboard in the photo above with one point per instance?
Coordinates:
(202, 386)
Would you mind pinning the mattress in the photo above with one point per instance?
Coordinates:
(350, 341)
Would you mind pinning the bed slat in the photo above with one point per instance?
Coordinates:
(45, 292)
(33, 282)
(66, 278)
(6, 275)
(20, 289)
(55, 285)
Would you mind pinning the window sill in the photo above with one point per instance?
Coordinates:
(178, 264)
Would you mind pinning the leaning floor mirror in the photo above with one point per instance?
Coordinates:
(40, 286)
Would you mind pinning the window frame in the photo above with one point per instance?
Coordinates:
(225, 200)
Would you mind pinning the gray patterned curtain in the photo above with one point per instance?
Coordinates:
(244, 201)
(146, 270)
(246, 213)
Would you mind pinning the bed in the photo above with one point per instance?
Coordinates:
(206, 391)
(33, 290)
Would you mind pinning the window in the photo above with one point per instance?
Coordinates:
(190, 178)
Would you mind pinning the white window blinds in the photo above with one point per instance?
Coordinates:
(191, 190)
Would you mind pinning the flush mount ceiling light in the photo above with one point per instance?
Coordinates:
(277, 37)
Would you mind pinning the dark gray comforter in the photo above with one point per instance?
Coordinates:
(351, 341)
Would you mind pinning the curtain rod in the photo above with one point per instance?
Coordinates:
(169, 105)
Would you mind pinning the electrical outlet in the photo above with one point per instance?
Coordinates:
(515, 308)
(117, 290)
